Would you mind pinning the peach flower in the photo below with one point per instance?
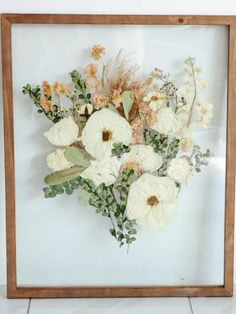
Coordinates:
(100, 101)
(91, 70)
(47, 88)
(148, 113)
(137, 135)
(46, 104)
(97, 51)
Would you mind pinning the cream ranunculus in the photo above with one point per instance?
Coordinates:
(179, 170)
(144, 156)
(63, 133)
(166, 122)
(57, 160)
(102, 171)
(102, 130)
(152, 200)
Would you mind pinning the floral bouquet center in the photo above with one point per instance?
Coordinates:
(125, 144)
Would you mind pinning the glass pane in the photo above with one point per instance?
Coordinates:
(60, 243)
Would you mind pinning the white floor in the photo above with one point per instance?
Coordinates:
(115, 306)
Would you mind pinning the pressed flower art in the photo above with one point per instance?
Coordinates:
(125, 145)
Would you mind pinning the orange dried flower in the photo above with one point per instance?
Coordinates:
(148, 113)
(47, 88)
(100, 101)
(116, 97)
(91, 70)
(139, 90)
(93, 84)
(59, 89)
(132, 165)
(97, 51)
(46, 104)
(137, 135)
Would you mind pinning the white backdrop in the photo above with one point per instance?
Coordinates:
(105, 7)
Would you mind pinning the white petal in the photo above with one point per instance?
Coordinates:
(63, 133)
(156, 216)
(57, 160)
(107, 120)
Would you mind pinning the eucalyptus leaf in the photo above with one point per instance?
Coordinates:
(59, 177)
(127, 100)
(77, 156)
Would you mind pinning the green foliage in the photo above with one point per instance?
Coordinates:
(119, 149)
(77, 156)
(67, 187)
(158, 141)
(161, 145)
(80, 88)
(127, 100)
(35, 94)
(59, 177)
(200, 159)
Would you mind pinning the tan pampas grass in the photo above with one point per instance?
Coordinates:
(120, 72)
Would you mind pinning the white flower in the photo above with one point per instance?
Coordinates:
(144, 156)
(57, 160)
(82, 109)
(103, 129)
(204, 111)
(102, 171)
(63, 133)
(179, 170)
(155, 100)
(166, 122)
(151, 200)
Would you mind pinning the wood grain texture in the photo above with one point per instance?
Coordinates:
(9, 154)
(49, 292)
(230, 162)
(119, 19)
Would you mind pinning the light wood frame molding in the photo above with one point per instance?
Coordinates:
(152, 291)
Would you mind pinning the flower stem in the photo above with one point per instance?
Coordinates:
(194, 97)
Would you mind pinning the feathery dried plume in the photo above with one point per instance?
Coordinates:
(120, 72)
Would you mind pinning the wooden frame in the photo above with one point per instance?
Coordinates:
(20, 292)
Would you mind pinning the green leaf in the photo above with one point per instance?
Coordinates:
(84, 198)
(127, 100)
(77, 156)
(112, 108)
(59, 177)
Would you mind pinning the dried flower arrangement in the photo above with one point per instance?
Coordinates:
(125, 144)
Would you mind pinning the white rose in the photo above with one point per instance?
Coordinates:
(152, 200)
(102, 130)
(63, 133)
(166, 122)
(144, 156)
(179, 170)
(57, 160)
(102, 171)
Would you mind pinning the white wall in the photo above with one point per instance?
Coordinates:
(207, 7)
